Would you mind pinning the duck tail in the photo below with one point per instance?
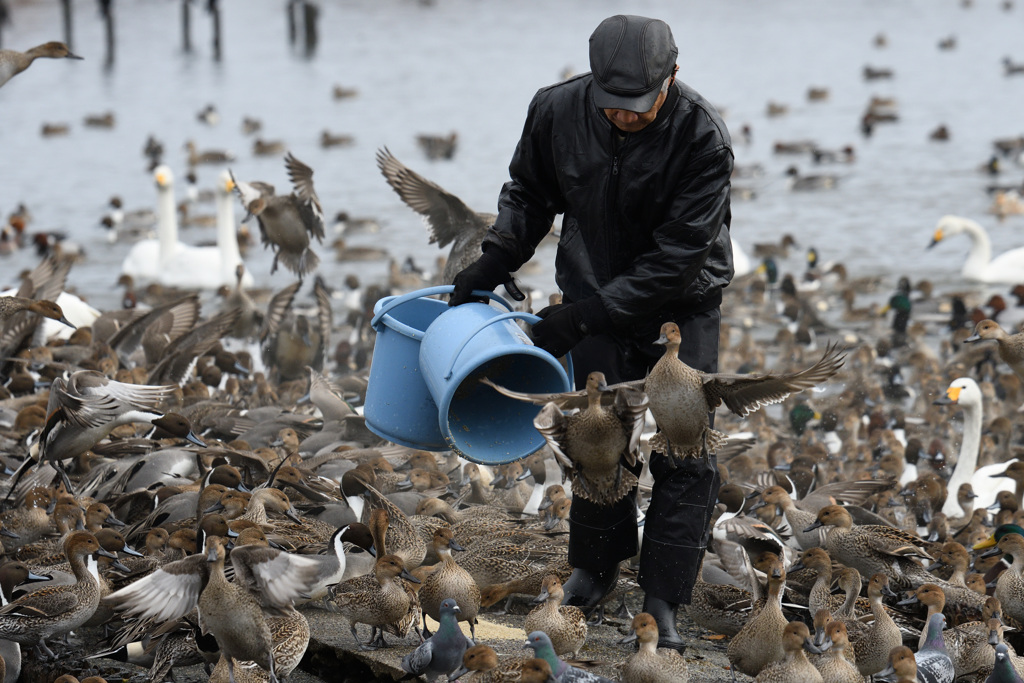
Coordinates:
(300, 264)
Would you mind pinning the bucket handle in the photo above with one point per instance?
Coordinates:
(511, 315)
(430, 291)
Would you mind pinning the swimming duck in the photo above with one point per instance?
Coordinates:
(588, 445)
(649, 664)
(805, 183)
(450, 221)
(980, 266)
(378, 603)
(793, 666)
(441, 654)
(566, 625)
(287, 221)
(539, 642)
(56, 610)
(268, 582)
(449, 580)
(873, 548)
(13, 62)
(1011, 346)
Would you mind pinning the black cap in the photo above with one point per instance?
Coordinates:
(630, 57)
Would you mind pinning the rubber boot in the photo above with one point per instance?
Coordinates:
(664, 614)
(586, 588)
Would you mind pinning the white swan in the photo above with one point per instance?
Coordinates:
(741, 263)
(1008, 267)
(965, 393)
(170, 262)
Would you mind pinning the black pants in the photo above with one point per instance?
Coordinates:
(684, 494)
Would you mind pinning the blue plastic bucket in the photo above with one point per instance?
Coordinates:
(472, 341)
(423, 390)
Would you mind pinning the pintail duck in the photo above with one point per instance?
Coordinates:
(287, 221)
(449, 219)
(480, 665)
(681, 398)
(902, 667)
(438, 146)
(380, 600)
(1010, 584)
(793, 665)
(1011, 346)
(56, 610)
(268, 581)
(30, 521)
(562, 672)
(873, 548)
(9, 305)
(449, 580)
(588, 445)
(13, 62)
(872, 643)
(441, 654)
(289, 341)
(290, 635)
(760, 641)
(566, 625)
(649, 664)
(797, 519)
(834, 664)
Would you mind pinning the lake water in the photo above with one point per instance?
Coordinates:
(471, 66)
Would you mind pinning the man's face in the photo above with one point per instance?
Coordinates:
(633, 122)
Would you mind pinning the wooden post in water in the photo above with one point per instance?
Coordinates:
(310, 14)
(107, 10)
(214, 8)
(186, 26)
(66, 7)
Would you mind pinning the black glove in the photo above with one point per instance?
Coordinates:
(486, 273)
(565, 325)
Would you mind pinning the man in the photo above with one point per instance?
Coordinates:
(638, 163)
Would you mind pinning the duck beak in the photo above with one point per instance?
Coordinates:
(545, 504)
(886, 674)
(544, 595)
(455, 546)
(73, 56)
(128, 550)
(661, 341)
(817, 524)
(407, 576)
(756, 506)
(524, 476)
(116, 564)
(992, 552)
(293, 514)
(103, 552)
(303, 399)
(111, 519)
(797, 567)
(973, 338)
(232, 533)
(912, 600)
(631, 638)
(216, 507)
(64, 320)
(372, 550)
(889, 592)
(987, 543)
(211, 554)
(242, 487)
(32, 577)
(194, 439)
(551, 522)
(461, 671)
(8, 533)
(814, 649)
(993, 638)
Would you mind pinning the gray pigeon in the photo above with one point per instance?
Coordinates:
(442, 653)
(562, 672)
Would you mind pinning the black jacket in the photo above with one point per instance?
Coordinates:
(645, 216)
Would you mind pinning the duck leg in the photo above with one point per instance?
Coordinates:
(623, 611)
(378, 641)
(231, 670)
(43, 652)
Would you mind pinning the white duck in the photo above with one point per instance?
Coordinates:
(1008, 267)
(965, 393)
(174, 263)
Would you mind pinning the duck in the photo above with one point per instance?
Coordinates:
(379, 602)
(794, 665)
(562, 672)
(449, 580)
(480, 665)
(448, 218)
(287, 221)
(210, 156)
(806, 183)
(12, 305)
(1011, 346)
(760, 641)
(289, 633)
(566, 625)
(441, 654)
(980, 266)
(985, 481)
(56, 610)
(873, 548)
(649, 664)
(1010, 584)
(438, 146)
(172, 263)
(329, 139)
(834, 665)
(290, 342)
(265, 148)
(902, 667)
(13, 62)
(234, 612)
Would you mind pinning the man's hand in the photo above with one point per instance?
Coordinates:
(563, 326)
(486, 273)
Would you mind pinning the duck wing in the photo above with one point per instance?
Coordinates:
(553, 425)
(743, 394)
(843, 493)
(275, 578)
(88, 399)
(446, 215)
(323, 318)
(171, 592)
(569, 400)
(630, 407)
(895, 542)
(45, 602)
(167, 322)
(308, 205)
(278, 307)
(180, 356)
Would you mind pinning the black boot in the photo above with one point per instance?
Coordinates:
(664, 614)
(586, 588)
